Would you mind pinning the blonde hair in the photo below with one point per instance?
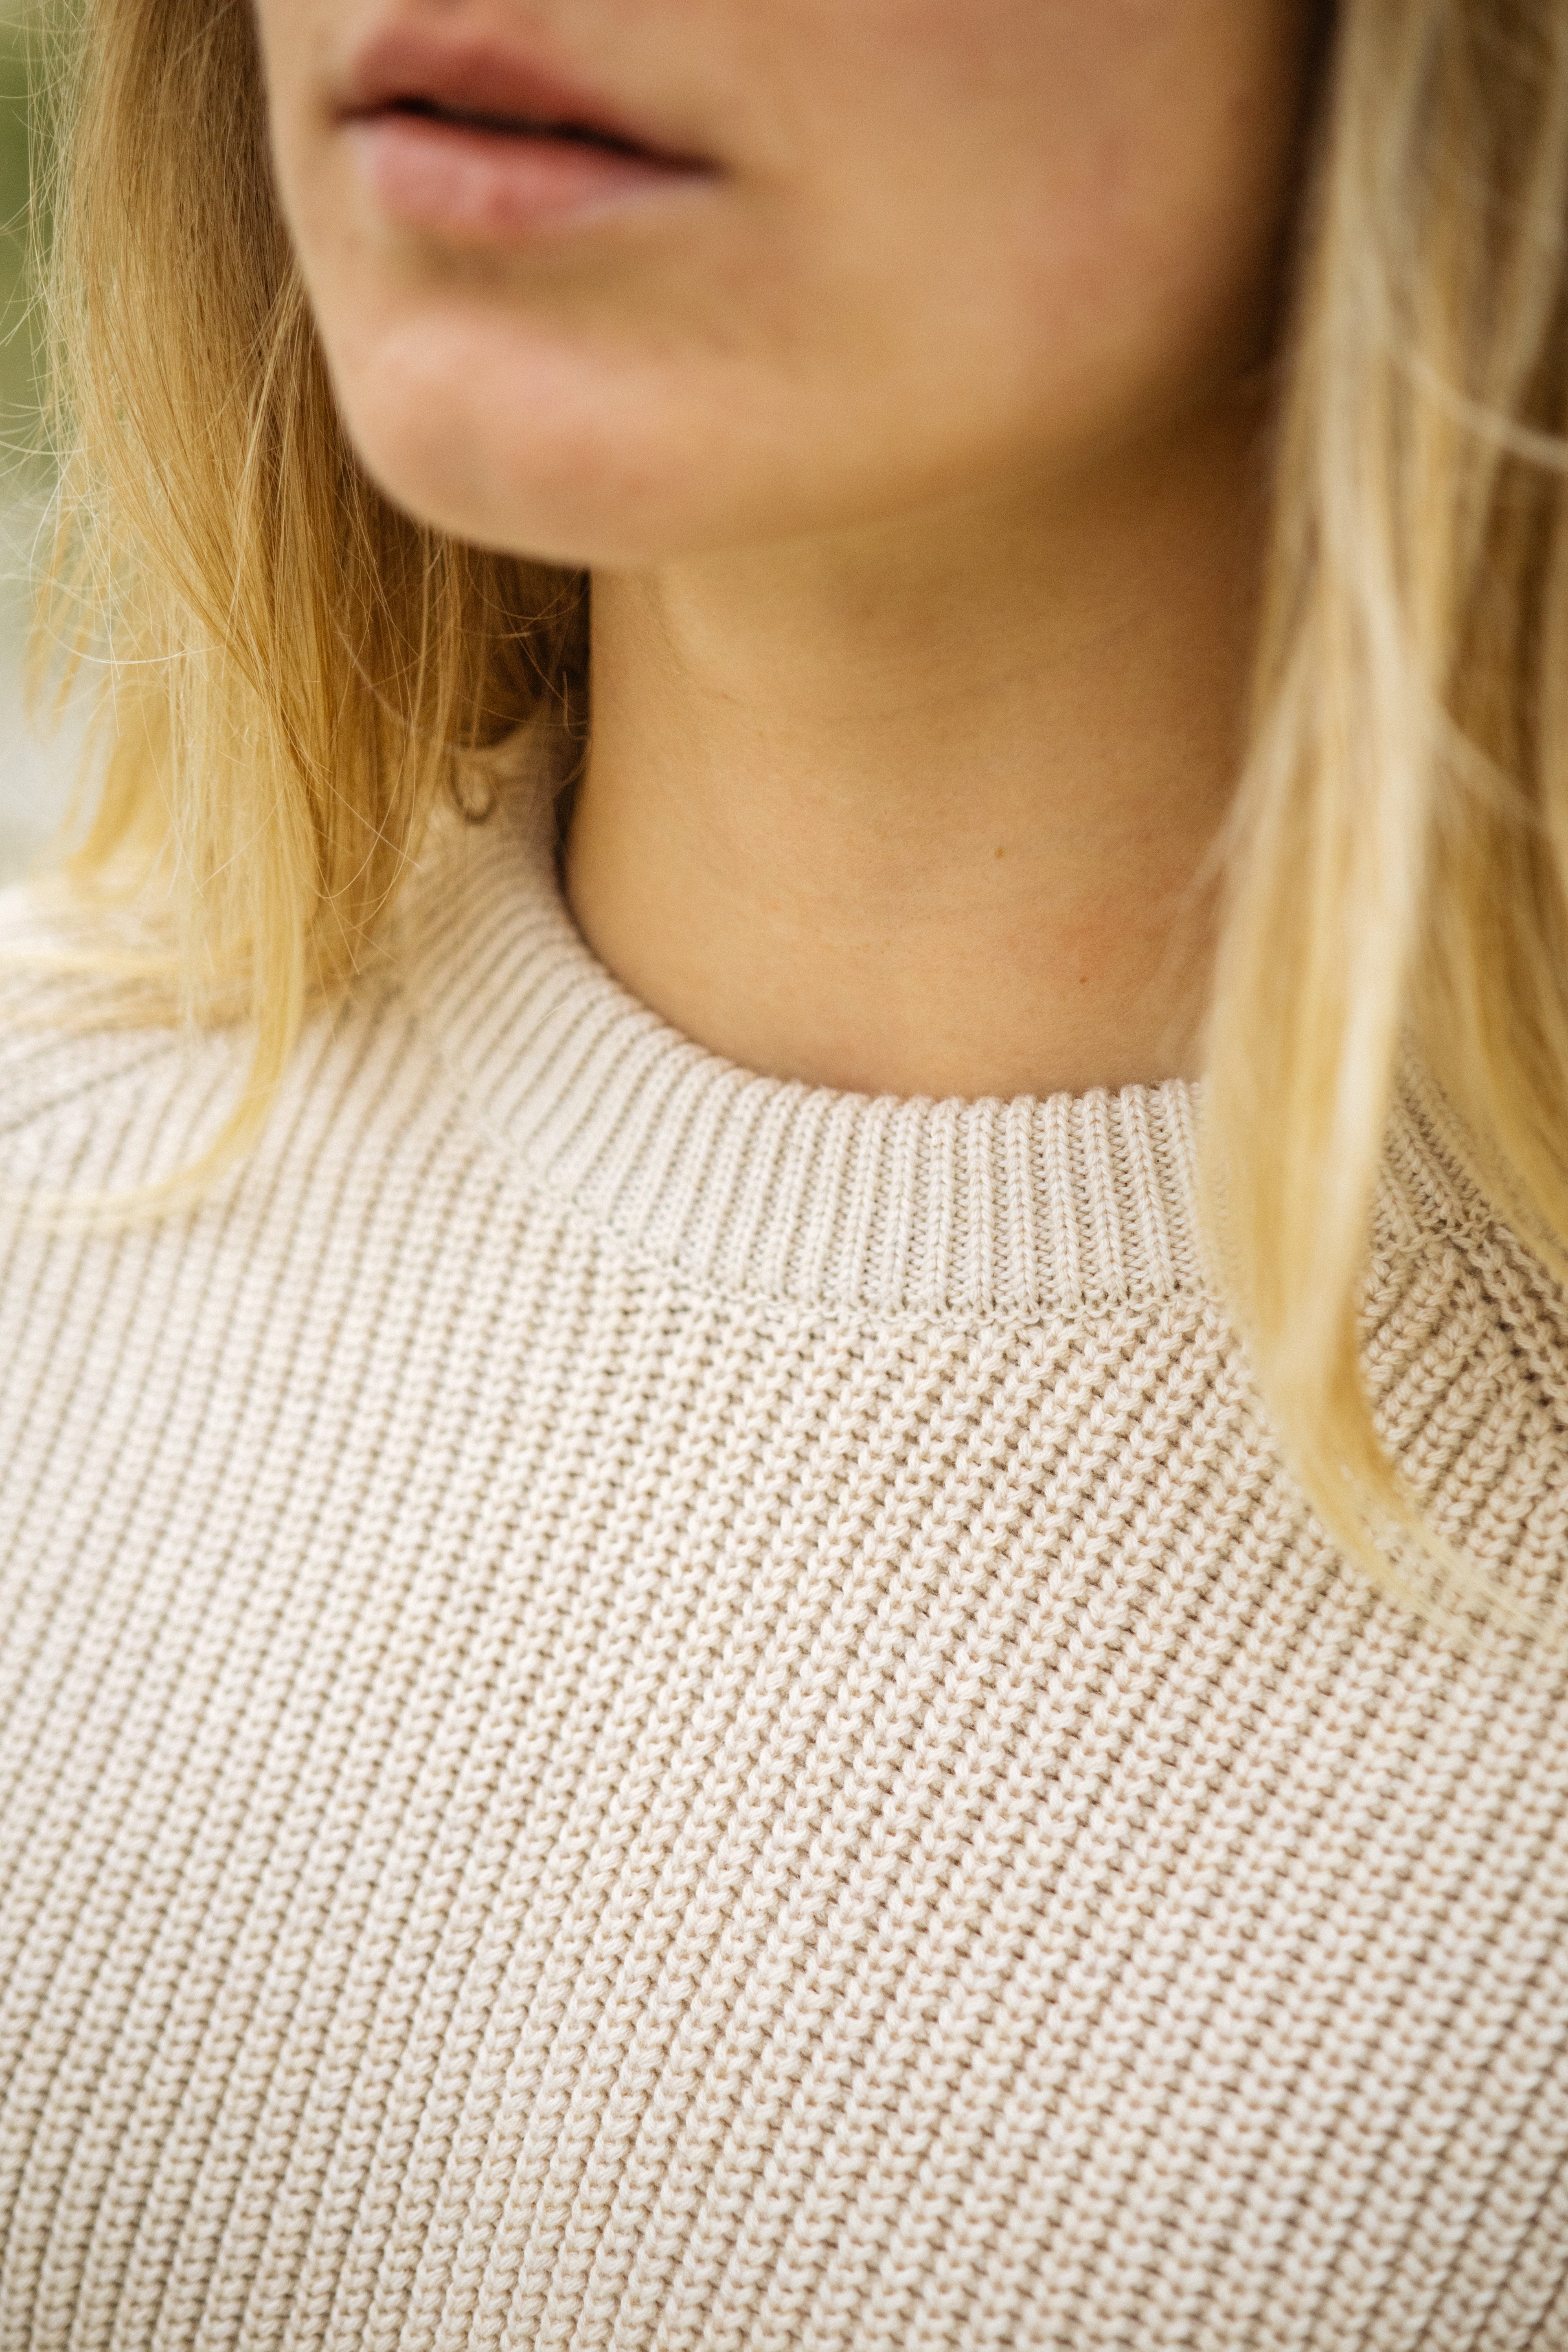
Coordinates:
(299, 674)
(294, 672)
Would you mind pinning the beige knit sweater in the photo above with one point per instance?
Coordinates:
(644, 1709)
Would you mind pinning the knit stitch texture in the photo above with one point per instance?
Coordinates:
(642, 1707)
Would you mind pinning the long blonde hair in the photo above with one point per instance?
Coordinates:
(297, 673)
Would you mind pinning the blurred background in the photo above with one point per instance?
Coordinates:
(34, 772)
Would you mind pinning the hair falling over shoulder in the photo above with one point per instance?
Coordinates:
(295, 675)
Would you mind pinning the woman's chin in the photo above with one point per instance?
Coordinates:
(452, 485)
(572, 482)
(554, 497)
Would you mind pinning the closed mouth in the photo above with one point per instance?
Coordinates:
(483, 88)
(509, 126)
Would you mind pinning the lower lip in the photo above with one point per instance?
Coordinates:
(488, 187)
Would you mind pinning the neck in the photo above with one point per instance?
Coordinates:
(932, 810)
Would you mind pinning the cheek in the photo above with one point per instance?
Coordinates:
(1127, 264)
(293, 40)
(1080, 199)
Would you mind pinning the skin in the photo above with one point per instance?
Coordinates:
(915, 451)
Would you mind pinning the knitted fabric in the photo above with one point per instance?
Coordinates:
(641, 1708)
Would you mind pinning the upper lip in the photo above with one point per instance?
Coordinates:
(477, 75)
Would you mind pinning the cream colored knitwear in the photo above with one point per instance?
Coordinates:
(644, 1709)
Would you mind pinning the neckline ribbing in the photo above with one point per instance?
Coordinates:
(1034, 1206)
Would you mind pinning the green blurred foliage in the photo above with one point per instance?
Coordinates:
(36, 773)
(19, 134)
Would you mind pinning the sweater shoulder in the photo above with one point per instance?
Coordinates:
(1521, 1306)
(1440, 1236)
(102, 1091)
(71, 1030)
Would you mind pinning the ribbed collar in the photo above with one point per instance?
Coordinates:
(1059, 1205)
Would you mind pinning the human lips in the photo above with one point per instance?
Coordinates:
(470, 137)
